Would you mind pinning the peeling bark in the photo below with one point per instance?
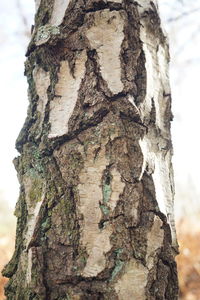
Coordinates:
(95, 212)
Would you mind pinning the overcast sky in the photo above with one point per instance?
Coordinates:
(13, 42)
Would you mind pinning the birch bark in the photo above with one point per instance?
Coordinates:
(95, 211)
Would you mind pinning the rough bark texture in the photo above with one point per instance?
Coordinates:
(95, 211)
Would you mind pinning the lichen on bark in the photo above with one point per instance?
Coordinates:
(95, 212)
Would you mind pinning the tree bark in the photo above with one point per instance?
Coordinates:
(95, 211)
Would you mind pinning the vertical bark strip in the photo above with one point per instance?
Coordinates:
(95, 211)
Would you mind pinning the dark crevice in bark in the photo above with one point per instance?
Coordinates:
(57, 142)
(105, 6)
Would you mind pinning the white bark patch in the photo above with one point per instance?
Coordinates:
(157, 76)
(32, 220)
(42, 82)
(160, 178)
(154, 146)
(117, 187)
(133, 282)
(154, 241)
(163, 68)
(146, 4)
(151, 79)
(29, 266)
(59, 10)
(96, 241)
(66, 91)
(164, 193)
(132, 101)
(159, 165)
(148, 156)
(106, 37)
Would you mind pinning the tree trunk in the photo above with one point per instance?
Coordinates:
(95, 211)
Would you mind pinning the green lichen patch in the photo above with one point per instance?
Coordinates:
(45, 32)
(106, 192)
(35, 194)
(105, 209)
(46, 224)
(118, 267)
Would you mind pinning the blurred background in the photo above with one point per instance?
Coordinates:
(181, 20)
